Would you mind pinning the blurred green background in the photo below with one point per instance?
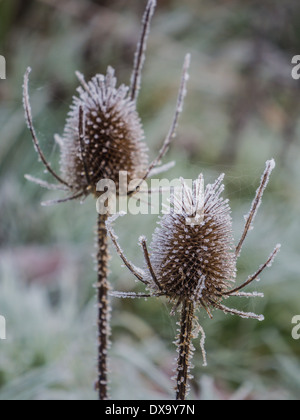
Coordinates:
(242, 108)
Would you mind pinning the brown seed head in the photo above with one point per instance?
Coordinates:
(112, 135)
(193, 248)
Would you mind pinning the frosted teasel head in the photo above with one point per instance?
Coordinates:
(103, 135)
(197, 262)
(192, 250)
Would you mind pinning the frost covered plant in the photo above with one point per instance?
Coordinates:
(193, 262)
(104, 136)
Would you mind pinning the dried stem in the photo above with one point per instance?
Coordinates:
(63, 200)
(45, 184)
(172, 131)
(103, 306)
(138, 273)
(185, 349)
(270, 165)
(36, 143)
(139, 58)
(148, 261)
(259, 271)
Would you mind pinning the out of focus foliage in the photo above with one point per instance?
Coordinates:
(242, 109)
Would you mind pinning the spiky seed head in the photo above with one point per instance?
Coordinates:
(193, 247)
(112, 131)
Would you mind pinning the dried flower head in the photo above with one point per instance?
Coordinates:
(103, 135)
(193, 261)
(110, 138)
(192, 252)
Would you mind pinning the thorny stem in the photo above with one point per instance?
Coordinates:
(28, 115)
(172, 131)
(148, 261)
(184, 348)
(141, 50)
(256, 204)
(255, 276)
(103, 307)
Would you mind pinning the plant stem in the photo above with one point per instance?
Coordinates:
(184, 349)
(103, 307)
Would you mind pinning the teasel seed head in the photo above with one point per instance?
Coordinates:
(111, 138)
(192, 250)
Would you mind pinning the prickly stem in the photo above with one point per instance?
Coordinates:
(184, 349)
(103, 307)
